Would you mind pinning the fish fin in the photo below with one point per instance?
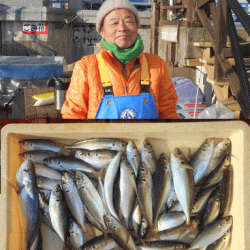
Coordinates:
(183, 230)
(234, 156)
(18, 190)
(190, 154)
(127, 236)
(188, 167)
(67, 170)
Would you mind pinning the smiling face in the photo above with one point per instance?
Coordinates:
(120, 27)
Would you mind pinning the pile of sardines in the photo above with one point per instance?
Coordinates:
(105, 193)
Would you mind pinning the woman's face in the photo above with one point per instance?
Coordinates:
(120, 27)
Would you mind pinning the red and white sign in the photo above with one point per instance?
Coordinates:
(35, 28)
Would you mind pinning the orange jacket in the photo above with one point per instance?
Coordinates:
(85, 90)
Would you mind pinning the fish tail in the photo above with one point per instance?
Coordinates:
(192, 230)
(91, 233)
(153, 232)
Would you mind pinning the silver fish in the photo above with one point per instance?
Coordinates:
(212, 210)
(44, 212)
(90, 198)
(40, 144)
(221, 244)
(144, 193)
(172, 198)
(183, 179)
(109, 180)
(76, 235)
(100, 243)
(227, 186)
(201, 159)
(19, 175)
(171, 220)
(37, 243)
(89, 218)
(162, 185)
(166, 245)
(43, 170)
(28, 205)
(58, 212)
(148, 155)
(220, 151)
(136, 220)
(127, 191)
(100, 143)
(212, 232)
(216, 176)
(121, 234)
(66, 163)
(47, 183)
(37, 156)
(134, 156)
(182, 233)
(73, 199)
(98, 158)
(202, 198)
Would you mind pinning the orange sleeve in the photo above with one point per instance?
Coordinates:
(168, 96)
(76, 103)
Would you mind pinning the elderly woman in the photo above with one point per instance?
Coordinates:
(121, 82)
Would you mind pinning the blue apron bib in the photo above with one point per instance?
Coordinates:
(129, 106)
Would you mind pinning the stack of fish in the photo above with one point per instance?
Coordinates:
(104, 193)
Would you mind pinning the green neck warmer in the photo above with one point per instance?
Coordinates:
(124, 55)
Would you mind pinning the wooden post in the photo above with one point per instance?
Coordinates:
(155, 15)
(220, 34)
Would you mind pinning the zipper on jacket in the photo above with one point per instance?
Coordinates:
(125, 75)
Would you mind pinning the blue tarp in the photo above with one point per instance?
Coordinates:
(187, 90)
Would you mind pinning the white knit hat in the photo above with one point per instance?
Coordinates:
(110, 5)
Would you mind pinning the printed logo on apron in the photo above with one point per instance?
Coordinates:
(128, 113)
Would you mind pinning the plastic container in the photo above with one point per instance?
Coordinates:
(25, 67)
(164, 138)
